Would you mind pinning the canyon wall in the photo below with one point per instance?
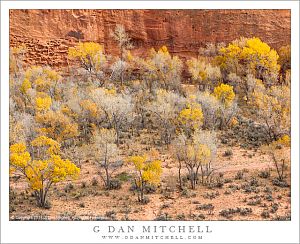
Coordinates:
(48, 33)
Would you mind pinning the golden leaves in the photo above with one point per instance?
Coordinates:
(225, 94)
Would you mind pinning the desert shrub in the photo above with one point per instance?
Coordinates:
(276, 151)
(68, 187)
(211, 195)
(239, 175)
(228, 153)
(219, 107)
(114, 184)
(208, 207)
(277, 182)
(230, 212)
(264, 173)
(210, 49)
(124, 176)
(265, 214)
(285, 62)
(190, 118)
(274, 207)
(57, 125)
(16, 59)
(94, 182)
(255, 200)
(286, 217)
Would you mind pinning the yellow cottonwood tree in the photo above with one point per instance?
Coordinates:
(91, 57)
(191, 118)
(162, 69)
(249, 56)
(273, 106)
(57, 125)
(225, 94)
(145, 172)
(43, 168)
(203, 74)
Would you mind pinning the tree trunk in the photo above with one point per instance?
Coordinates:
(179, 175)
(107, 177)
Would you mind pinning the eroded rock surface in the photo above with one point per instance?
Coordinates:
(48, 33)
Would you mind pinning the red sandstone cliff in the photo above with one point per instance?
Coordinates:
(48, 33)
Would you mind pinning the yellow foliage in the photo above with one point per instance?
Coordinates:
(146, 171)
(42, 79)
(19, 49)
(43, 103)
(234, 121)
(191, 116)
(26, 85)
(285, 141)
(164, 50)
(40, 174)
(251, 52)
(85, 50)
(196, 68)
(161, 67)
(52, 146)
(19, 157)
(57, 125)
(111, 91)
(273, 105)
(225, 94)
(129, 56)
(90, 54)
(89, 106)
(199, 153)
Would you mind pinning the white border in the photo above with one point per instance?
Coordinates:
(81, 232)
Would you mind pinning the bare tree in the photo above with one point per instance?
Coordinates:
(124, 43)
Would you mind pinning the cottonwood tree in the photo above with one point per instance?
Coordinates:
(91, 58)
(190, 118)
(105, 152)
(165, 109)
(179, 152)
(228, 107)
(16, 60)
(272, 105)
(285, 62)
(117, 107)
(211, 108)
(41, 165)
(145, 172)
(204, 75)
(124, 42)
(162, 70)
(249, 56)
(22, 127)
(197, 155)
(57, 125)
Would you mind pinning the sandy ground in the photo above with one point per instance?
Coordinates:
(91, 201)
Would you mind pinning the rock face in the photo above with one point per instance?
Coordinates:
(48, 33)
